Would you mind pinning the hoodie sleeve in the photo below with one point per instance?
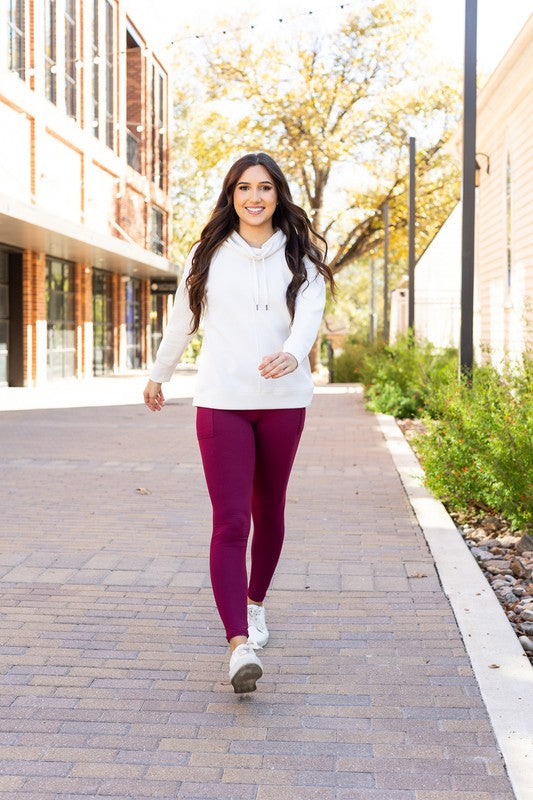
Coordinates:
(309, 309)
(177, 333)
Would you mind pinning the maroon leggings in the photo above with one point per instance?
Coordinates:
(247, 458)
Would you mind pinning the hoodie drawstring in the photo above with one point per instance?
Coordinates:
(259, 284)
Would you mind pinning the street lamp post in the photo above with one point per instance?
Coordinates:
(372, 328)
(386, 272)
(466, 349)
(412, 219)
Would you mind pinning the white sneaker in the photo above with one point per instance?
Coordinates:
(257, 628)
(245, 669)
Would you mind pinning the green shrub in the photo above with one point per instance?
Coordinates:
(479, 452)
(347, 365)
(407, 379)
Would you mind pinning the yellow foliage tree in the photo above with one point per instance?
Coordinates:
(336, 111)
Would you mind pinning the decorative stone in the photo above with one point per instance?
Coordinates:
(497, 566)
(526, 643)
(518, 569)
(481, 553)
(527, 627)
(508, 541)
(525, 543)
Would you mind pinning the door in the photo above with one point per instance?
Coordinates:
(102, 322)
(133, 324)
(61, 350)
(4, 318)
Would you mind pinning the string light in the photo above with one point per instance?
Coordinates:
(253, 26)
(97, 59)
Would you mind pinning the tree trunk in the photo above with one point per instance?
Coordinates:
(314, 355)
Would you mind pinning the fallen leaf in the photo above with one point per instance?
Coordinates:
(494, 666)
(141, 490)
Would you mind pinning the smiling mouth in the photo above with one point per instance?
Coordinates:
(255, 211)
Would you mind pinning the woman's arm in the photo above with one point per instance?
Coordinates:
(309, 309)
(177, 334)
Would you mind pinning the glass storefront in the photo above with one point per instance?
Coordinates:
(103, 355)
(133, 324)
(4, 317)
(156, 321)
(61, 345)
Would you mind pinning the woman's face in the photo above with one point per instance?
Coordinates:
(255, 198)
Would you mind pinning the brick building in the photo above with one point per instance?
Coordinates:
(84, 197)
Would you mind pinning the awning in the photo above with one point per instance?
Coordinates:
(29, 227)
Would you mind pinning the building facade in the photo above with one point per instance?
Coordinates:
(437, 290)
(503, 264)
(503, 293)
(85, 205)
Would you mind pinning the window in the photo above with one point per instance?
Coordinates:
(4, 317)
(15, 32)
(50, 54)
(61, 351)
(508, 219)
(70, 58)
(161, 132)
(102, 322)
(134, 100)
(133, 324)
(158, 128)
(95, 48)
(109, 40)
(158, 241)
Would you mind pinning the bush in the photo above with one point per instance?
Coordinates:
(348, 365)
(407, 379)
(479, 452)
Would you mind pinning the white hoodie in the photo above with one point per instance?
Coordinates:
(246, 318)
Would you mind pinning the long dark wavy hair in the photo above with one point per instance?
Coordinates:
(302, 239)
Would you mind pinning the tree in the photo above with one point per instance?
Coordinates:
(336, 111)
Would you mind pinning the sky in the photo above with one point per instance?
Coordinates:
(499, 21)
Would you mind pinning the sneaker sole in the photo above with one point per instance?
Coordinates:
(245, 678)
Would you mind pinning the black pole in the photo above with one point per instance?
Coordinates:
(373, 317)
(412, 188)
(469, 199)
(386, 272)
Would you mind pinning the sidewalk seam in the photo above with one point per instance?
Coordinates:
(507, 691)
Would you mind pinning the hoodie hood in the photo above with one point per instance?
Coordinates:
(257, 257)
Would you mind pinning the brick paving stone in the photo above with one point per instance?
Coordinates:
(113, 663)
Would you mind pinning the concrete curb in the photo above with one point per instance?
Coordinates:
(489, 639)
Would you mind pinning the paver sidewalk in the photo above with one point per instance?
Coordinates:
(113, 663)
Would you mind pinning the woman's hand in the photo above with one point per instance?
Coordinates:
(277, 365)
(153, 396)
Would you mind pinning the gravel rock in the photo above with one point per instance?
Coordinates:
(496, 566)
(527, 628)
(507, 562)
(481, 553)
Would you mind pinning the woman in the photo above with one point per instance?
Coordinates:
(257, 277)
